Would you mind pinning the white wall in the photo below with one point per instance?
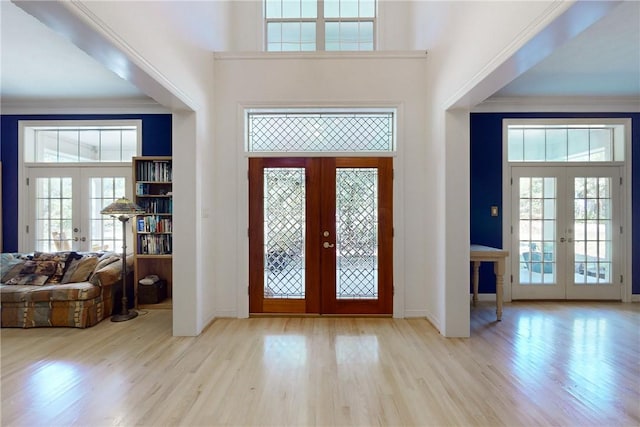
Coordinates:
(329, 81)
(465, 41)
(152, 37)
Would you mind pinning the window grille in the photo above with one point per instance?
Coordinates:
(309, 25)
(93, 142)
(320, 132)
(567, 142)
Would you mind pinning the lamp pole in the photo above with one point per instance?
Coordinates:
(125, 313)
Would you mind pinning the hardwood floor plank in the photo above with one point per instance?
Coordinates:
(544, 364)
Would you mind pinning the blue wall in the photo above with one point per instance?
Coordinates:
(486, 183)
(156, 141)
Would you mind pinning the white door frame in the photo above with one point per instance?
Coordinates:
(25, 240)
(563, 263)
(625, 198)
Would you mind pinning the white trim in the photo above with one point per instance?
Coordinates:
(22, 166)
(242, 206)
(558, 104)
(417, 313)
(485, 297)
(82, 106)
(635, 298)
(625, 197)
(351, 55)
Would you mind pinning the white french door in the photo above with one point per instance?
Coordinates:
(566, 234)
(64, 204)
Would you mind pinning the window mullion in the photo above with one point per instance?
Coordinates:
(320, 31)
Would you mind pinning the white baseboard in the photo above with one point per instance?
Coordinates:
(415, 313)
(635, 297)
(485, 297)
(226, 313)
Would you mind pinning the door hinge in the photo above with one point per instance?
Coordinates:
(512, 278)
(620, 180)
(27, 228)
(27, 181)
(512, 229)
(511, 181)
(393, 291)
(621, 232)
(621, 278)
(393, 232)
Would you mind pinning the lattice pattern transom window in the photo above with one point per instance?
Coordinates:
(320, 132)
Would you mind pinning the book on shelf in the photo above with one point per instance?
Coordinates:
(156, 206)
(154, 170)
(154, 224)
(154, 244)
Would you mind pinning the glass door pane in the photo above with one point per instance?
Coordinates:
(593, 230)
(105, 232)
(595, 233)
(538, 243)
(357, 233)
(537, 225)
(284, 232)
(53, 213)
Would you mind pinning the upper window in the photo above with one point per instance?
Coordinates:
(310, 25)
(564, 141)
(80, 142)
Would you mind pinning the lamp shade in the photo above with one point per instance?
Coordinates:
(122, 206)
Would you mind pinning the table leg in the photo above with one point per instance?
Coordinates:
(476, 280)
(498, 269)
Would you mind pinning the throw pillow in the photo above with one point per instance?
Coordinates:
(34, 272)
(82, 270)
(29, 279)
(62, 260)
(109, 274)
(12, 271)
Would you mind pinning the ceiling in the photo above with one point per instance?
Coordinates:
(38, 63)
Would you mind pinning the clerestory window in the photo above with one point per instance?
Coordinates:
(315, 25)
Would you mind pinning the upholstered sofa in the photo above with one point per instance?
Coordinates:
(59, 289)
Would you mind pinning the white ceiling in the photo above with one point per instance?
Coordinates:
(38, 63)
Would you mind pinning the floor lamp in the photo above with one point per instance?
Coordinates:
(123, 209)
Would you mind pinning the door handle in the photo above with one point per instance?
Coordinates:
(562, 240)
(327, 245)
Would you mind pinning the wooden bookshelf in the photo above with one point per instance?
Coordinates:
(153, 230)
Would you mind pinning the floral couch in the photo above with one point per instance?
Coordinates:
(59, 289)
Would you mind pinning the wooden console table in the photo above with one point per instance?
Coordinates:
(481, 254)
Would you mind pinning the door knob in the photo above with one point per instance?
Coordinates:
(562, 239)
(327, 245)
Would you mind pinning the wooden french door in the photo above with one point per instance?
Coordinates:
(321, 235)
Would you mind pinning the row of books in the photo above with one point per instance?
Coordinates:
(154, 244)
(154, 170)
(156, 205)
(154, 224)
(147, 189)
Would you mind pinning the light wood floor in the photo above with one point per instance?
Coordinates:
(544, 364)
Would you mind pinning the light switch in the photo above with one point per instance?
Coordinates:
(494, 211)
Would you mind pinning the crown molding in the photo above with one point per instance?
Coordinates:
(82, 106)
(547, 104)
